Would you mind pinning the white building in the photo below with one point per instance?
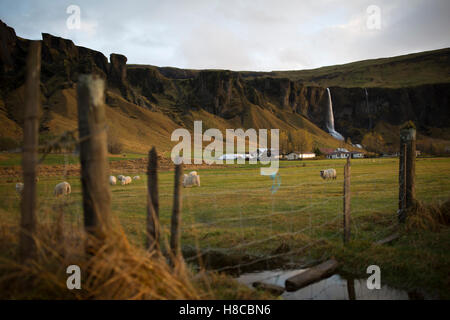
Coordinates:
(342, 153)
(308, 155)
(292, 156)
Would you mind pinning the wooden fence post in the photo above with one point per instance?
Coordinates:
(93, 156)
(411, 169)
(351, 289)
(27, 245)
(176, 213)
(402, 183)
(153, 226)
(408, 175)
(347, 175)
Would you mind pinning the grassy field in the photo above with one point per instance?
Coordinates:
(15, 159)
(236, 212)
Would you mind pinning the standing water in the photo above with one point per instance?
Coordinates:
(332, 288)
(330, 119)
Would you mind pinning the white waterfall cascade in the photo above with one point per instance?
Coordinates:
(330, 119)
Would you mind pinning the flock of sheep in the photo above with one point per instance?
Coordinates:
(122, 179)
(64, 188)
(189, 180)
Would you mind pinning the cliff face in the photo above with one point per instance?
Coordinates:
(225, 94)
(426, 105)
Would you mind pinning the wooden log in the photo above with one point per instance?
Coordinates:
(272, 288)
(176, 213)
(153, 229)
(27, 245)
(311, 275)
(94, 156)
(389, 239)
(347, 175)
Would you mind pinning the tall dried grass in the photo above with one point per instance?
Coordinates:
(118, 270)
(431, 217)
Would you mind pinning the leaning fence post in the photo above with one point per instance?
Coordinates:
(152, 201)
(347, 175)
(408, 144)
(93, 156)
(176, 213)
(27, 246)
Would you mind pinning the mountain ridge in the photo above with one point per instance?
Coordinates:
(149, 102)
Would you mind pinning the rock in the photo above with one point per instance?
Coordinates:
(117, 74)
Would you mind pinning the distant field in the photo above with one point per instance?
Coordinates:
(14, 159)
(235, 211)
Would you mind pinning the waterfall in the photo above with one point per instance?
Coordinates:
(330, 119)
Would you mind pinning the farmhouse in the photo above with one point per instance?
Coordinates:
(356, 154)
(292, 156)
(308, 155)
(342, 153)
(296, 155)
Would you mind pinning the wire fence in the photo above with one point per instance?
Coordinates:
(236, 213)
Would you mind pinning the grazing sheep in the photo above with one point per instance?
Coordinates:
(120, 177)
(112, 180)
(62, 189)
(125, 180)
(19, 188)
(193, 179)
(136, 178)
(328, 174)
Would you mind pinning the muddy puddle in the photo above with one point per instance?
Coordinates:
(333, 288)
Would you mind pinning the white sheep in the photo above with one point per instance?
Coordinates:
(62, 189)
(19, 188)
(328, 174)
(136, 178)
(125, 180)
(112, 180)
(193, 179)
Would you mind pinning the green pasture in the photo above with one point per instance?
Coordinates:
(237, 210)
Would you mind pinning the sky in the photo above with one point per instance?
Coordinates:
(258, 35)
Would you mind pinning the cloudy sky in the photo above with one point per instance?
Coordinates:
(239, 35)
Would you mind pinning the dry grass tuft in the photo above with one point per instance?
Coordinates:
(119, 270)
(430, 217)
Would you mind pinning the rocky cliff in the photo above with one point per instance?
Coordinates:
(242, 99)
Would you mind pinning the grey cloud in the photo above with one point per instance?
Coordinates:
(238, 35)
